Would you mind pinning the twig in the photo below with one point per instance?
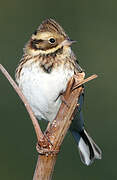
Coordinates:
(38, 131)
(85, 81)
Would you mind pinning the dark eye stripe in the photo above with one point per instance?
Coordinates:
(42, 46)
(34, 42)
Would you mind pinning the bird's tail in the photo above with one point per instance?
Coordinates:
(88, 150)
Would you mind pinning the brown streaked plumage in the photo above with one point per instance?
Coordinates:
(46, 67)
(48, 29)
(49, 25)
(49, 55)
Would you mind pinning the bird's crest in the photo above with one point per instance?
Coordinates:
(51, 25)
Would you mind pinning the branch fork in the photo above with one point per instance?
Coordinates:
(49, 143)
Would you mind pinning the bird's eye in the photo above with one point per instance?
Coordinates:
(52, 40)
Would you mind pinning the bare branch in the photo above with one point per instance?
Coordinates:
(85, 81)
(49, 143)
(56, 131)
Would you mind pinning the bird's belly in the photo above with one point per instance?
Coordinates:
(42, 89)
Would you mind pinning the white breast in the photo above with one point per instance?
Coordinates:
(42, 89)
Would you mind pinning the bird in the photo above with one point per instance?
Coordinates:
(47, 65)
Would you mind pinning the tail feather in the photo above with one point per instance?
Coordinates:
(88, 150)
(96, 149)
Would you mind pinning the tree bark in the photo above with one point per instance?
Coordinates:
(45, 166)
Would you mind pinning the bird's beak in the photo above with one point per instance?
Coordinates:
(68, 42)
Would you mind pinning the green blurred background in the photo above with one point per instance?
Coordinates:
(94, 25)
